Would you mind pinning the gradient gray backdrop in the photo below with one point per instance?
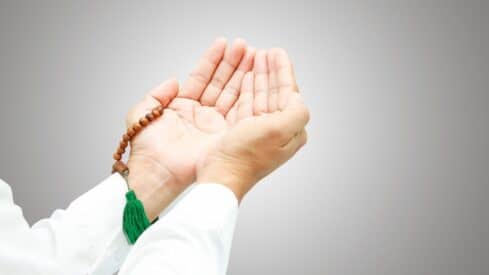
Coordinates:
(394, 180)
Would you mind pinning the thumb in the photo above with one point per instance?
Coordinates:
(294, 117)
(160, 95)
(164, 93)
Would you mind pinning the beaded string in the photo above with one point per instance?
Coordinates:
(135, 221)
(119, 166)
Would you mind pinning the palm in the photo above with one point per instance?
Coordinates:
(203, 110)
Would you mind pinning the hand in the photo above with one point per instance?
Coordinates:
(269, 127)
(164, 155)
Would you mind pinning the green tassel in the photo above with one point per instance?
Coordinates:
(135, 220)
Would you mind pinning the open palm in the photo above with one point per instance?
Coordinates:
(197, 115)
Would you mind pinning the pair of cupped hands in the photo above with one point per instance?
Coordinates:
(237, 117)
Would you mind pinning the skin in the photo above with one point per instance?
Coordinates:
(267, 133)
(213, 120)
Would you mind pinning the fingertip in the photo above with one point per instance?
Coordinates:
(166, 91)
(171, 84)
(281, 58)
(216, 50)
(277, 50)
(278, 58)
(251, 52)
(239, 42)
(219, 41)
(280, 52)
(238, 47)
(172, 80)
(248, 60)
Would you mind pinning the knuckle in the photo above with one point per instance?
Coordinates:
(277, 50)
(218, 82)
(198, 76)
(232, 90)
(260, 90)
(207, 100)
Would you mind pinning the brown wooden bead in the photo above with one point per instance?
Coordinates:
(117, 156)
(136, 127)
(156, 113)
(123, 144)
(150, 116)
(131, 133)
(144, 122)
(119, 167)
(160, 109)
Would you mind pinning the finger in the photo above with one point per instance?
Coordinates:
(161, 95)
(223, 73)
(202, 73)
(260, 104)
(165, 92)
(285, 77)
(245, 101)
(232, 89)
(272, 82)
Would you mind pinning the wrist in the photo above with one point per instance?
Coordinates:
(237, 180)
(153, 184)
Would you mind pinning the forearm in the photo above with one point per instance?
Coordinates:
(194, 237)
(72, 240)
(240, 179)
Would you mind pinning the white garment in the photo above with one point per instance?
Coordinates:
(193, 237)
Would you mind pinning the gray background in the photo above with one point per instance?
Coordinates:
(394, 180)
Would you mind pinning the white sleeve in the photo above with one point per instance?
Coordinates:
(192, 238)
(71, 241)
